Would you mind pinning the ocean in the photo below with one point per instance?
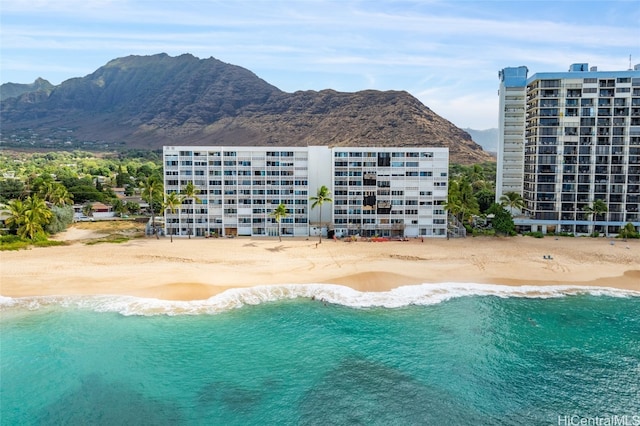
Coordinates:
(449, 354)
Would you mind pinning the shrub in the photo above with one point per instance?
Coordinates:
(61, 219)
(13, 242)
(628, 231)
(565, 234)
(536, 234)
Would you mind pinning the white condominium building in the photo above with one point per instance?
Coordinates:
(580, 142)
(374, 191)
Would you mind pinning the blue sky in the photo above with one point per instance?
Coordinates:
(445, 53)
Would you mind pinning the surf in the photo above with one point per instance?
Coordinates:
(421, 295)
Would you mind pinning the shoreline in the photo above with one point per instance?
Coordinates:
(197, 269)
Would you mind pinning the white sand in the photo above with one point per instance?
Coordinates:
(197, 268)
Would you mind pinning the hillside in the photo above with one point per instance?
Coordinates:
(12, 90)
(151, 101)
(487, 139)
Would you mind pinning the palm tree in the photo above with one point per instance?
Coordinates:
(278, 214)
(322, 196)
(29, 217)
(87, 210)
(57, 194)
(598, 207)
(454, 206)
(461, 202)
(151, 190)
(37, 215)
(119, 206)
(512, 200)
(190, 193)
(172, 203)
(16, 214)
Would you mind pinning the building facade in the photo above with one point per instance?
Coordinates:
(512, 93)
(581, 143)
(375, 191)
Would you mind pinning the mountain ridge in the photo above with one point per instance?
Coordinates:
(150, 101)
(487, 138)
(12, 90)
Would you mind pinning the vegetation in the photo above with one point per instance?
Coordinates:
(151, 189)
(278, 214)
(114, 239)
(61, 218)
(29, 218)
(38, 188)
(190, 193)
(502, 220)
(13, 242)
(534, 234)
(512, 200)
(628, 231)
(597, 208)
(323, 195)
(461, 201)
(172, 203)
(87, 210)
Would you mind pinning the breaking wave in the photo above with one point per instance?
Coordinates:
(423, 294)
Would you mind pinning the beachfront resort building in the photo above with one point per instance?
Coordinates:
(394, 192)
(566, 140)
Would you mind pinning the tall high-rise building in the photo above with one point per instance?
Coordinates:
(578, 141)
(375, 191)
(510, 170)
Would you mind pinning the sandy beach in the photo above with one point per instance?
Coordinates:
(191, 269)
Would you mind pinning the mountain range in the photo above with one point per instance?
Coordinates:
(150, 101)
(487, 139)
(12, 90)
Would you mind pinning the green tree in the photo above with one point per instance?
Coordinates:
(597, 208)
(481, 177)
(132, 207)
(172, 203)
(278, 214)
(461, 201)
(454, 207)
(512, 200)
(119, 207)
(85, 192)
(190, 193)
(122, 178)
(485, 198)
(502, 220)
(29, 218)
(10, 189)
(151, 189)
(16, 210)
(57, 194)
(323, 195)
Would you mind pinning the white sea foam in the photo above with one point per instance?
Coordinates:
(424, 294)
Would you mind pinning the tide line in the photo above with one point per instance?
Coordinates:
(423, 294)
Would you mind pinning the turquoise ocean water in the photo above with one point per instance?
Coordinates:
(442, 355)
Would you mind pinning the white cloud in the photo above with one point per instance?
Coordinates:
(448, 54)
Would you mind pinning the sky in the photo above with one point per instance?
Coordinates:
(445, 53)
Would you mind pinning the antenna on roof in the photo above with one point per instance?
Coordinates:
(630, 68)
